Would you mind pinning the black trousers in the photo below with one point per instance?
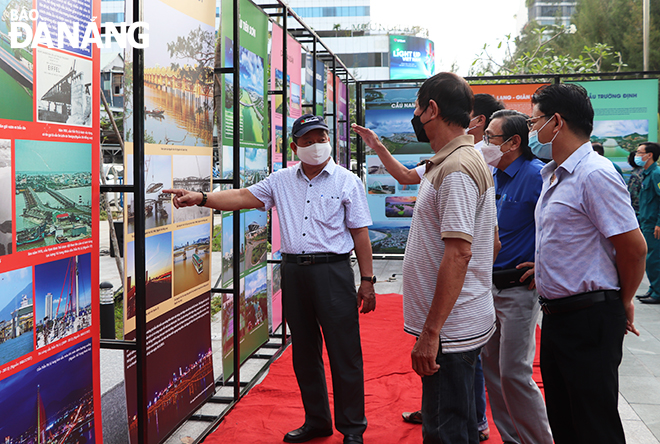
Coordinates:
(580, 356)
(323, 297)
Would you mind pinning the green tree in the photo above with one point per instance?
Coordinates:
(618, 23)
(541, 54)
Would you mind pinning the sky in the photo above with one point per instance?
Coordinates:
(459, 29)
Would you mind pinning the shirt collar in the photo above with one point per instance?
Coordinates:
(445, 151)
(512, 169)
(650, 169)
(571, 163)
(328, 168)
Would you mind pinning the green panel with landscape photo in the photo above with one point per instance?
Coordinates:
(625, 115)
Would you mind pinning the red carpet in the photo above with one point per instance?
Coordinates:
(273, 408)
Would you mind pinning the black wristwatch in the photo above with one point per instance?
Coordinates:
(371, 279)
(204, 197)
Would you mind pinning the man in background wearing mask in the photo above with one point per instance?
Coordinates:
(484, 107)
(323, 216)
(589, 261)
(508, 357)
(649, 215)
(447, 266)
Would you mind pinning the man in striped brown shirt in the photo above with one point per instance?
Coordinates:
(447, 269)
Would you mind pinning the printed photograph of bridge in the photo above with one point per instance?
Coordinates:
(158, 273)
(51, 402)
(191, 257)
(63, 298)
(157, 205)
(16, 314)
(16, 67)
(64, 88)
(191, 173)
(6, 215)
(53, 193)
(178, 69)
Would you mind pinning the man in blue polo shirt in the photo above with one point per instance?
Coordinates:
(649, 216)
(515, 399)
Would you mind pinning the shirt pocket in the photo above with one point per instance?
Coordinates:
(329, 211)
(514, 215)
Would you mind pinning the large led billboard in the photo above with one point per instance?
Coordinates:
(411, 57)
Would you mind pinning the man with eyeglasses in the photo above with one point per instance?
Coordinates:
(508, 357)
(649, 216)
(589, 261)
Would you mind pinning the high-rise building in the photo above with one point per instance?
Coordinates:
(551, 12)
(48, 309)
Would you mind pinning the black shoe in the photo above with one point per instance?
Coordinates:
(353, 439)
(306, 433)
(650, 300)
(645, 295)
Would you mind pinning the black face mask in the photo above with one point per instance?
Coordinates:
(418, 126)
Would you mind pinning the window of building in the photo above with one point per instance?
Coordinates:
(117, 83)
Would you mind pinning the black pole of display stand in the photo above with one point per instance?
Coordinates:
(359, 152)
(334, 106)
(314, 63)
(285, 134)
(139, 240)
(347, 117)
(236, 140)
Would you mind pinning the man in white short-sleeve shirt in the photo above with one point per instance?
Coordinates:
(323, 216)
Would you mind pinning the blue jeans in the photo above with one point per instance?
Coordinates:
(480, 397)
(449, 414)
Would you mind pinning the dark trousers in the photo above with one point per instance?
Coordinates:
(323, 297)
(580, 356)
(449, 414)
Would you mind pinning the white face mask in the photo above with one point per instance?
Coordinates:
(314, 154)
(470, 128)
(493, 153)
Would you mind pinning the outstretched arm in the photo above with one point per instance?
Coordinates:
(402, 174)
(227, 200)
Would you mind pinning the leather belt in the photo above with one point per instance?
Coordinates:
(312, 259)
(576, 302)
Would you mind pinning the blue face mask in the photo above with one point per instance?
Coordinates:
(540, 149)
(639, 161)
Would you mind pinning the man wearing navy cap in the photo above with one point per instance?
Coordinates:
(323, 216)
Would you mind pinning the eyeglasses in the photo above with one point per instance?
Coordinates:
(488, 137)
(532, 120)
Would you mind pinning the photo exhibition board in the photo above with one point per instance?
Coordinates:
(388, 112)
(49, 219)
(178, 153)
(253, 151)
(625, 115)
(295, 91)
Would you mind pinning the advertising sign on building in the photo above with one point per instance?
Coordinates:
(49, 247)
(411, 57)
(178, 131)
(252, 116)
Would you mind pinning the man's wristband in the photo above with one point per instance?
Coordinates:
(204, 197)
